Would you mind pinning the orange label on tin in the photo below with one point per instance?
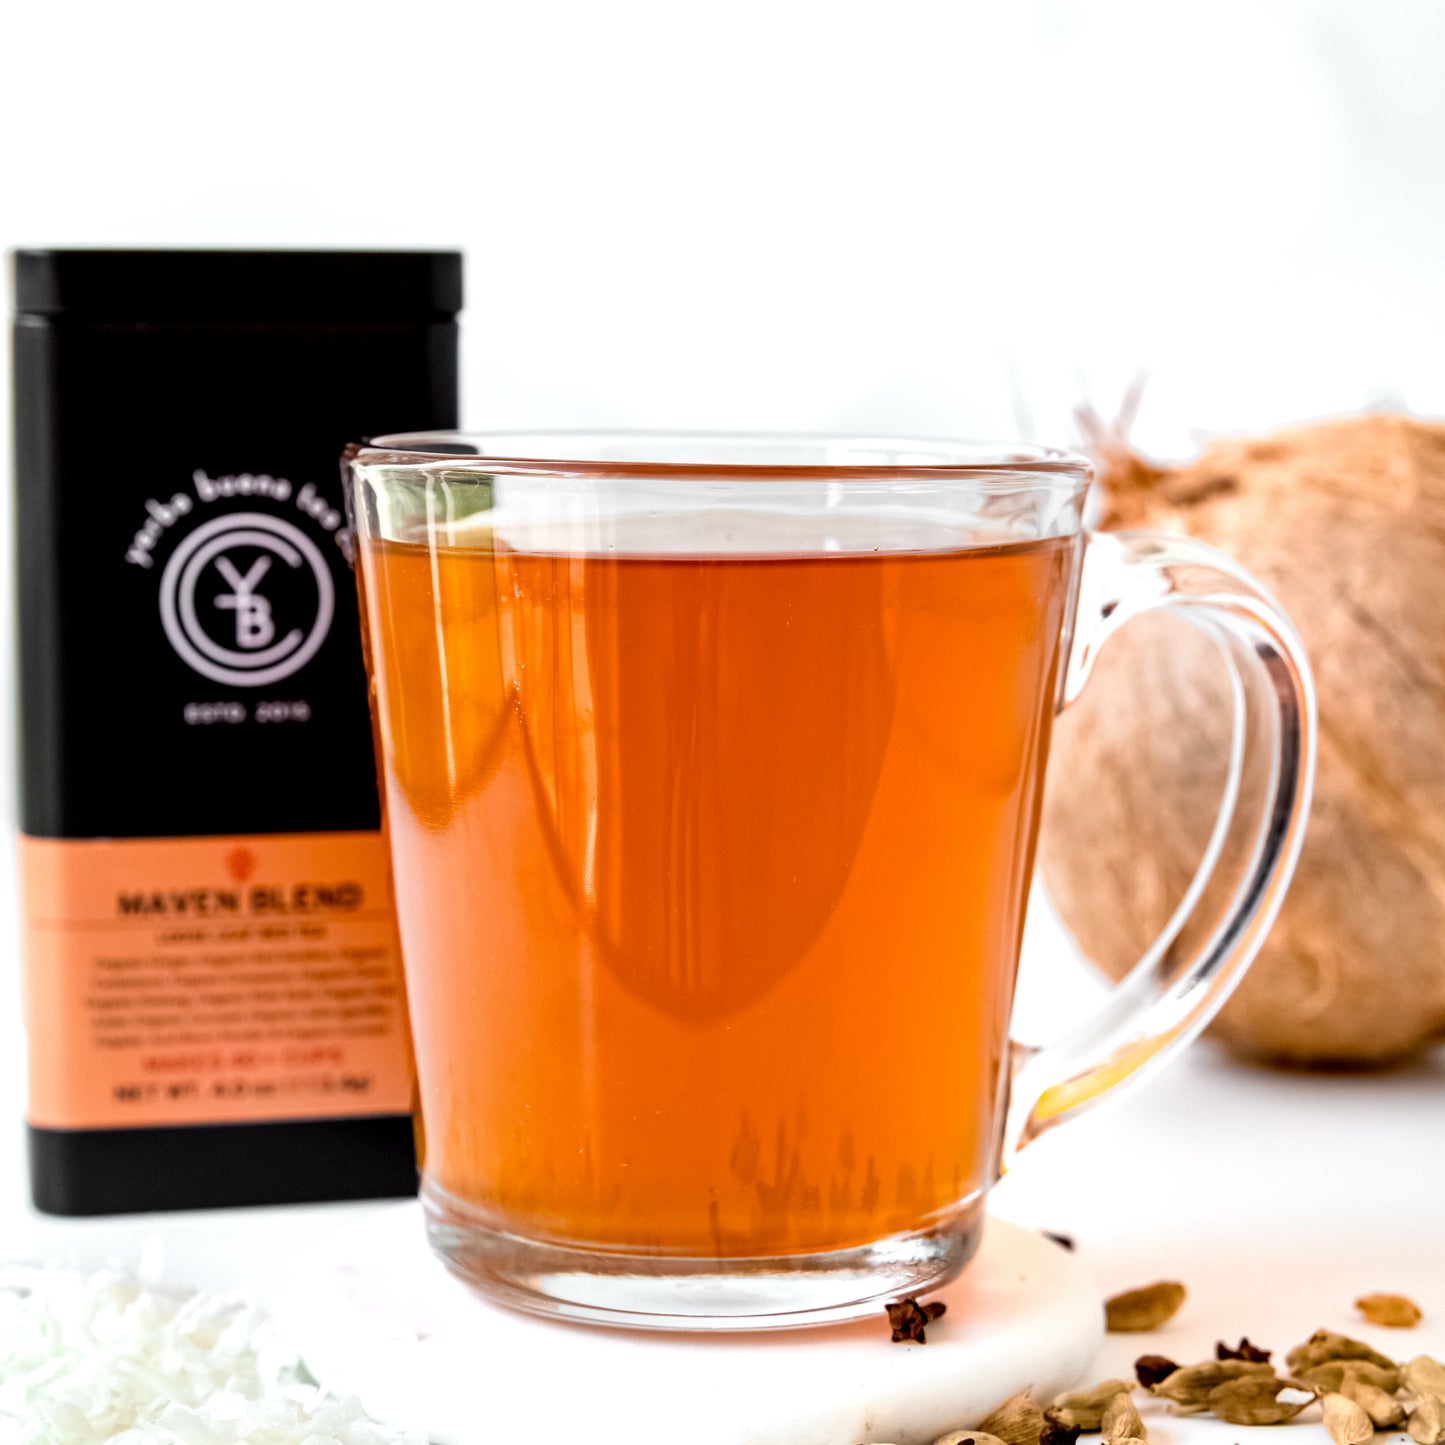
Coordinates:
(212, 980)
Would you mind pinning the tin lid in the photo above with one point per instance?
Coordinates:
(276, 287)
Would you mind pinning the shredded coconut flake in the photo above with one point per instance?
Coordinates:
(105, 1356)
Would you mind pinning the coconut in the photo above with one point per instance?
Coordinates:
(1344, 522)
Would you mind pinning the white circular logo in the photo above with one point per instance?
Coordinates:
(235, 615)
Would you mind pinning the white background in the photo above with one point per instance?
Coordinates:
(946, 218)
(940, 217)
(933, 217)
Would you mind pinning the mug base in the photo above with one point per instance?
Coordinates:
(647, 1291)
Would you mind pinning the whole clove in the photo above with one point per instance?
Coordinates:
(1242, 1351)
(910, 1320)
(1151, 1370)
(1056, 1434)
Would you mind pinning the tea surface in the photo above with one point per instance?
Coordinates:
(711, 874)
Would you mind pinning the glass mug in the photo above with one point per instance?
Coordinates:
(712, 769)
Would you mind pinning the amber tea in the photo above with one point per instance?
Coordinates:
(712, 873)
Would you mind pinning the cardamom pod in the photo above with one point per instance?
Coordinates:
(1018, 1421)
(1253, 1400)
(1326, 1345)
(1331, 1376)
(1426, 1425)
(1084, 1409)
(1121, 1421)
(1383, 1409)
(1143, 1309)
(1189, 1388)
(1346, 1421)
(1424, 1376)
(1393, 1311)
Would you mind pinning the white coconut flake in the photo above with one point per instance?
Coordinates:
(87, 1357)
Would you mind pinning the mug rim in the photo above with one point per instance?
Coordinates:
(675, 456)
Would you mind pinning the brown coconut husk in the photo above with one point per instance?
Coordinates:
(1344, 521)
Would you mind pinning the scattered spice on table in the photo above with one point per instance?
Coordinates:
(910, 1320)
(1137, 1310)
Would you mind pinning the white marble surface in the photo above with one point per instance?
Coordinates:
(1276, 1198)
(385, 1321)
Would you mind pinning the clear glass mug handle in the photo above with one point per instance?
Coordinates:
(1216, 930)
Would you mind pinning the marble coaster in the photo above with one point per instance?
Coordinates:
(376, 1315)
